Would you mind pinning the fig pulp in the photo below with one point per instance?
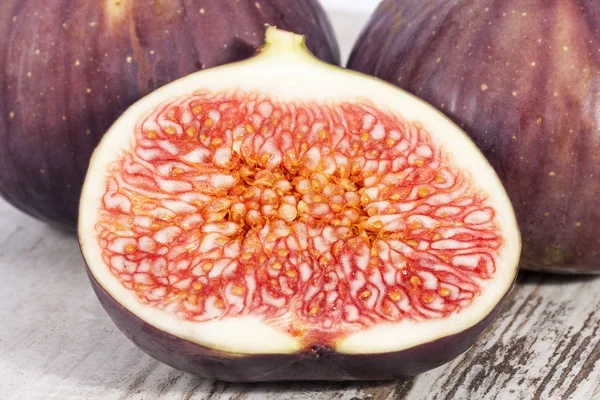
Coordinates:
(281, 218)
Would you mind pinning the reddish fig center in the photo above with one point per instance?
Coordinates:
(321, 219)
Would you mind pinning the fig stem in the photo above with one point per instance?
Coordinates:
(279, 41)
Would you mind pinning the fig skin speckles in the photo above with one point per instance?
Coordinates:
(234, 203)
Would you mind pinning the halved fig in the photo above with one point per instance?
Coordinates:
(283, 219)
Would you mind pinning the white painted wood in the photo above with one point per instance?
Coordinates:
(56, 341)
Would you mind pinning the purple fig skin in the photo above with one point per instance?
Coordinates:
(68, 69)
(522, 78)
(317, 363)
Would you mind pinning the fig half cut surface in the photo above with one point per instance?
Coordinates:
(284, 219)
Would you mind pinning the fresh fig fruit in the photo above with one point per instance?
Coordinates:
(521, 77)
(284, 219)
(68, 69)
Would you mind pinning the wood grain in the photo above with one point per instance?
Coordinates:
(56, 342)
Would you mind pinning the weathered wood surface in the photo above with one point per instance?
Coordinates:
(56, 342)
